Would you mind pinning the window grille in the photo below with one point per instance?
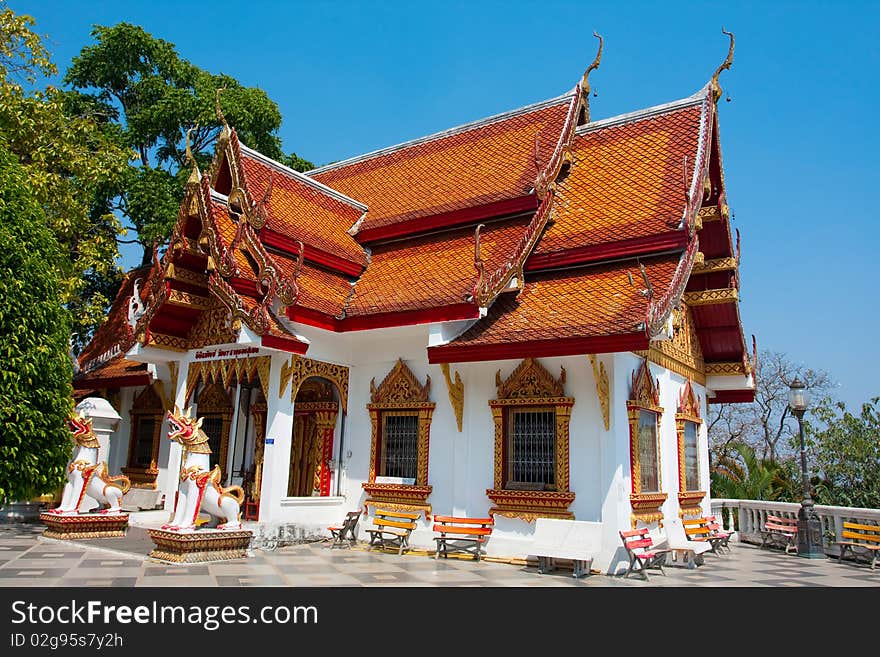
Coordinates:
(399, 456)
(143, 452)
(650, 478)
(691, 461)
(212, 425)
(531, 449)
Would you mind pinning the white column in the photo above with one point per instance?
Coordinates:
(276, 452)
(172, 478)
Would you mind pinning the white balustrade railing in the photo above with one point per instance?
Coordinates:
(747, 517)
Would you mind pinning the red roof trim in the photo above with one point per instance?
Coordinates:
(448, 219)
(675, 239)
(86, 383)
(292, 345)
(453, 353)
(732, 397)
(289, 246)
(245, 286)
(449, 313)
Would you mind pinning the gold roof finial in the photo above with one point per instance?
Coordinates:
(190, 160)
(716, 88)
(585, 83)
(219, 111)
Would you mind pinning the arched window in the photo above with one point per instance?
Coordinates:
(400, 415)
(215, 407)
(531, 417)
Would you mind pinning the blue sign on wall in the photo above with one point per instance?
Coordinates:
(270, 441)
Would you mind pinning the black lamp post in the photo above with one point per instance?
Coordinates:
(809, 525)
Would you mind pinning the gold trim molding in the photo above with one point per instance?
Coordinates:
(223, 371)
(301, 368)
(711, 297)
(717, 264)
(725, 369)
(683, 353)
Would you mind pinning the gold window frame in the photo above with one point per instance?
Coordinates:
(148, 403)
(400, 391)
(644, 396)
(530, 385)
(688, 411)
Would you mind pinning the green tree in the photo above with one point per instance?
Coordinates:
(845, 452)
(741, 474)
(71, 156)
(155, 97)
(35, 366)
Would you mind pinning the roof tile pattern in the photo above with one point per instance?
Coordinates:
(573, 303)
(319, 289)
(302, 212)
(626, 181)
(432, 270)
(487, 163)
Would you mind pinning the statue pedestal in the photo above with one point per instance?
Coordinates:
(84, 525)
(200, 545)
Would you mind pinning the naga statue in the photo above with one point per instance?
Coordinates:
(200, 488)
(86, 476)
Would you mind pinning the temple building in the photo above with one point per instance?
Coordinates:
(525, 316)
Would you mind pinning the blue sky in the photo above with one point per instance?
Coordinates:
(798, 142)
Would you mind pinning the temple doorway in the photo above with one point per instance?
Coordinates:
(315, 411)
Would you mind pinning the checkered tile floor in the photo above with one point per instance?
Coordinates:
(28, 559)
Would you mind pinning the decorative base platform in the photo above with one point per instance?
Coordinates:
(200, 545)
(84, 525)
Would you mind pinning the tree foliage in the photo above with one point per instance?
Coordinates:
(35, 367)
(766, 424)
(845, 451)
(741, 474)
(154, 97)
(71, 157)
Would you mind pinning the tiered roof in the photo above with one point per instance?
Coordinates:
(554, 234)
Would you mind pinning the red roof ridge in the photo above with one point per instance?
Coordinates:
(301, 177)
(465, 127)
(646, 113)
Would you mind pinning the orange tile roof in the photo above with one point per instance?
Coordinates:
(301, 210)
(319, 289)
(627, 180)
(573, 303)
(226, 228)
(116, 367)
(492, 160)
(431, 270)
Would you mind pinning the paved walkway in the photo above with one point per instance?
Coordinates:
(28, 559)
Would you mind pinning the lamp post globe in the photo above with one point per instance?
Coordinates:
(809, 526)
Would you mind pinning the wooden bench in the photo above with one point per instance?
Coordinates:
(780, 532)
(577, 541)
(392, 529)
(345, 535)
(860, 537)
(642, 552)
(717, 530)
(461, 535)
(700, 530)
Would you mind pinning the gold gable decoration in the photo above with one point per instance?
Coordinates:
(400, 387)
(530, 379)
(603, 390)
(689, 403)
(645, 391)
(683, 353)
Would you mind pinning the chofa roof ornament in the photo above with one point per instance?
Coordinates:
(585, 83)
(716, 88)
